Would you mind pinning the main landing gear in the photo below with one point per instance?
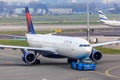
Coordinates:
(70, 60)
(37, 62)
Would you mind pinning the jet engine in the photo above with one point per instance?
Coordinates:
(95, 55)
(28, 57)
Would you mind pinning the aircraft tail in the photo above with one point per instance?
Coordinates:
(29, 21)
(102, 16)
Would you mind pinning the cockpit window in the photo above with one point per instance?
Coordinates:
(84, 45)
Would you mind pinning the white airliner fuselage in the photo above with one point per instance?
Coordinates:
(106, 21)
(66, 46)
(111, 23)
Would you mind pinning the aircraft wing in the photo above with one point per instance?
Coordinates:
(44, 49)
(15, 36)
(105, 43)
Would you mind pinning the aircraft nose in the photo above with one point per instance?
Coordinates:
(88, 49)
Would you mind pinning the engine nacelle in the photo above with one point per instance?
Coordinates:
(28, 57)
(95, 55)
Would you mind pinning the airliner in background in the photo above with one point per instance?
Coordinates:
(106, 21)
(54, 46)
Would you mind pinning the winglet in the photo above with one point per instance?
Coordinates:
(29, 21)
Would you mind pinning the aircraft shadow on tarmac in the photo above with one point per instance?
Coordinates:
(19, 63)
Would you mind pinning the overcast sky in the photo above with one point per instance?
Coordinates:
(19, 0)
(105, 1)
(108, 1)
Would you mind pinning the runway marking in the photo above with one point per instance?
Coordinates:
(99, 73)
(110, 69)
(107, 72)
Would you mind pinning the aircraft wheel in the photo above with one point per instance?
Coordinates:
(37, 62)
(71, 60)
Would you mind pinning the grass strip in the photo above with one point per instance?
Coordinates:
(14, 42)
(108, 50)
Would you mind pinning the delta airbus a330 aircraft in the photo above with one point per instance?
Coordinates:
(54, 46)
(108, 22)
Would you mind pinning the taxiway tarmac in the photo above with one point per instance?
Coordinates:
(13, 68)
(23, 27)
